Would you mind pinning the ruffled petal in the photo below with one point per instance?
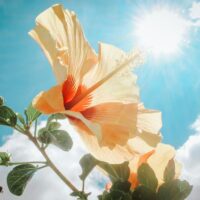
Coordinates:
(60, 35)
(49, 102)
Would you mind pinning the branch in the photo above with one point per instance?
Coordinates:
(50, 163)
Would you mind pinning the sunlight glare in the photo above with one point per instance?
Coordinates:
(161, 31)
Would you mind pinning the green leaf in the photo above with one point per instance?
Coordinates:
(81, 195)
(123, 186)
(119, 195)
(44, 136)
(169, 172)
(115, 171)
(51, 134)
(18, 178)
(4, 158)
(56, 117)
(143, 193)
(32, 114)
(7, 116)
(147, 177)
(87, 162)
(105, 196)
(1, 101)
(21, 119)
(120, 190)
(61, 139)
(53, 126)
(174, 190)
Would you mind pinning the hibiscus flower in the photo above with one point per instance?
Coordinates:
(97, 93)
(158, 160)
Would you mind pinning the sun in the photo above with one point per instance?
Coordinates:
(160, 31)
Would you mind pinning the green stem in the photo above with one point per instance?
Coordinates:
(42, 166)
(50, 163)
(21, 163)
(35, 131)
(18, 128)
(83, 186)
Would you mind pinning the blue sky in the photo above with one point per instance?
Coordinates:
(170, 84)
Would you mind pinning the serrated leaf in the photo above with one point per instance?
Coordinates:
(147, 177)
(115, 171)
(174, 190)
(7, 116)
(18, 178)
(32, 114)
(169, 172)
(143, 193)
(4, 158)
(61, 139)
(53, 126)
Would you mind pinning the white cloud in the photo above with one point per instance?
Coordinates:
(194, 13)
(188, 154)
(195, 10)
(45, 184)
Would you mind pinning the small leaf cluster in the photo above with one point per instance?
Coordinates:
(7, 115)
(31, 114)
(15, 120)
(4, 158)
(148, 188)
(22, 173)
(51, 134)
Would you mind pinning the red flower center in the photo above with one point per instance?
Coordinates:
(70, 94)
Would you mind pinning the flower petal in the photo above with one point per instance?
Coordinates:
(112, 79)
(149, 120)
(116, 155)
(120, 122)
(112, 128)
(117, 122)
(50, 101)
(159, 160)
(60, 35)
